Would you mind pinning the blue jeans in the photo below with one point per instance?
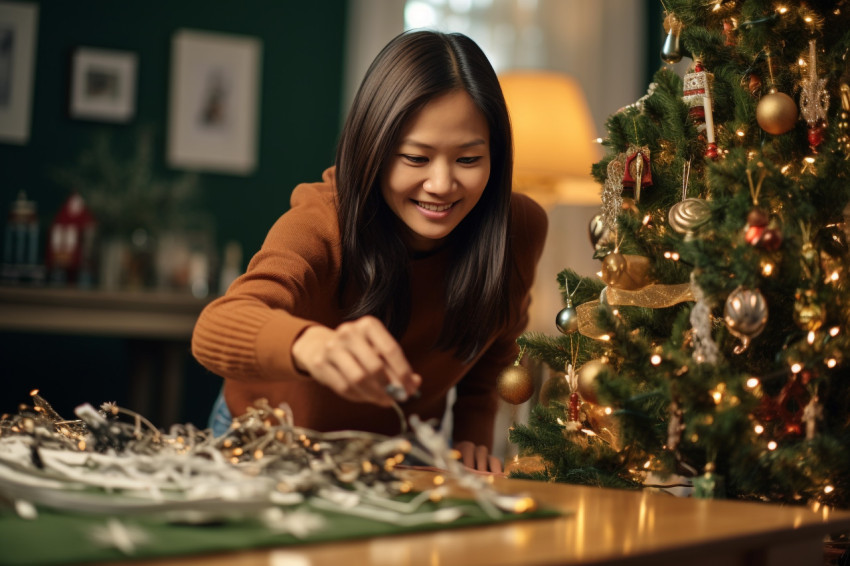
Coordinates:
(220, 417)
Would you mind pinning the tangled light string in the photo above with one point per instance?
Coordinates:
(115, 460)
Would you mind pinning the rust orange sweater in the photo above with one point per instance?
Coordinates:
(246, 335)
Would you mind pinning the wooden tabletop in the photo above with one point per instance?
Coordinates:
(599, 526)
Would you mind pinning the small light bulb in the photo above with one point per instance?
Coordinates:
(834, 331)
(771, 445)
(752, 382)
(796, 367)
(655, 359)
(759, 429)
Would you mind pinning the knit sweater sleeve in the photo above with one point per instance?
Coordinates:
(247, 334)
(477, 399)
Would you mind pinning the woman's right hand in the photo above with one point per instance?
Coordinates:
(358, 360)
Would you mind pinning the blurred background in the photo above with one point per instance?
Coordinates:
(146, 148)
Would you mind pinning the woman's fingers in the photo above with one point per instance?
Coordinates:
(359, 360)
(478, 457)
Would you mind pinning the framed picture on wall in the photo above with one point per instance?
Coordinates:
(214, 99)
(103, 85)
(18, 31)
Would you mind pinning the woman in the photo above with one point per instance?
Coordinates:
(404, 273)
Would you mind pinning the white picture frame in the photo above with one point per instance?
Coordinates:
(214, 102)
(18, 33)
(103, 85)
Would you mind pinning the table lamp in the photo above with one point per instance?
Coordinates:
(554, 136)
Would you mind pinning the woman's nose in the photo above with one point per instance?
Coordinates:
(440, 179)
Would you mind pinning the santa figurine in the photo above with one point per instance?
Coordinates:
(70, 244)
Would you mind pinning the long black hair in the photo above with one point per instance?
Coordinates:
(413, 69)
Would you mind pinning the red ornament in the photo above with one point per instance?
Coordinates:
(70, 243)
(815, 137)
(753, 234)
(574, 407)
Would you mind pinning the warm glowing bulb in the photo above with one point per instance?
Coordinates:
(811, 337)
(616, 312)
(717, 395)
(828, 489)
(675, 256)
(808, 19)
(740, 133)
(667, 255)
(834, 331)
(717, 6)
(782, 9)
(834, 276)
(771, 445)
(646, 465)
(608, 410)
(759, 429)
(646, 219)
(752, 382)
(767, 269)
(831, 363)
(655, 359)
(605, 337)
(785, 169)
(809, 159)
(801, 62)
(796, 367)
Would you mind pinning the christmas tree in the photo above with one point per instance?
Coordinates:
(714, 348)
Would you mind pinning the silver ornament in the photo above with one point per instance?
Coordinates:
(745, 314)
(567, 319)
(688, 215)
(671, 51)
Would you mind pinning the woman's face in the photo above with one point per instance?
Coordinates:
(439, 169)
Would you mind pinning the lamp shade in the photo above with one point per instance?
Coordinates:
(553, 136)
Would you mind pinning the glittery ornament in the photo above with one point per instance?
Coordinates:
(745, 314)
(814, 99)
(515, 384)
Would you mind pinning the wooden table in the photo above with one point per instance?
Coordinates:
(601, 526)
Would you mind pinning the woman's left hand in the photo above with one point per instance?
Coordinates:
(478, 457)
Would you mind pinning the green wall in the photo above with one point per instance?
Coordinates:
(301, 78)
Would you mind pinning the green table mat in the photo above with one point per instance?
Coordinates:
(57, 538)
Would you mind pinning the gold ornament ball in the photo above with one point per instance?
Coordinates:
(614, 266)
(515, 385)
(588, 376)
(555, 388)
(776, 113)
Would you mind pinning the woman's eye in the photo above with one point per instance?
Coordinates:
(417, 159)
(468, 160)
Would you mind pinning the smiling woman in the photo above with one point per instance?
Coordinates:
(404, 274)
(439, 171)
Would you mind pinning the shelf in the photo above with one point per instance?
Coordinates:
(158, 315)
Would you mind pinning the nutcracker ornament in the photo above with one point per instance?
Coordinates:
(814, 100)
(697, 95)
